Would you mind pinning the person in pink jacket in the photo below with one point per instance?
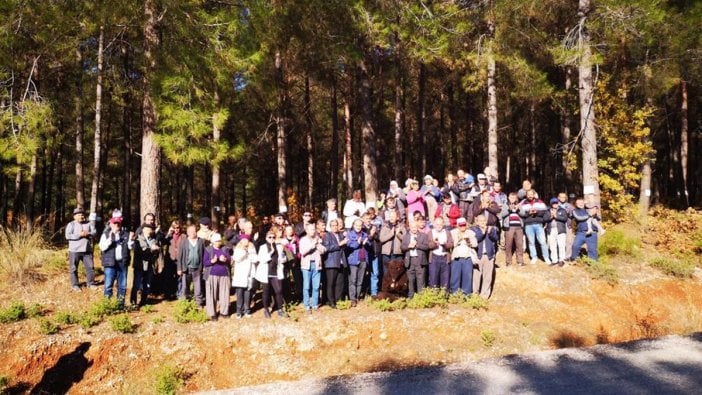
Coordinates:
(415, 200)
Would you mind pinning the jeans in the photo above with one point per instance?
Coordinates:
(310, 282)
(87, 258)
(535, 233)
(439, 271)
(116, 273)
(142, 281)
(243, 301)
(557, 245)
(462, 275)
(356, 274)
(591, 243)
(375, 276)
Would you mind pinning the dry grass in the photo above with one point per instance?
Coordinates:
(23, 253)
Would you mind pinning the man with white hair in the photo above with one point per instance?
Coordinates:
(79, 234)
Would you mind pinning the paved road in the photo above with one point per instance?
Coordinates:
(668, 365)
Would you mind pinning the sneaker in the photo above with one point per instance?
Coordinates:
(547, 261)
(533, 261)
(75, 288)
(281, 313)
(247, 315)
(238, 316)
(93, 287)
(561, 263)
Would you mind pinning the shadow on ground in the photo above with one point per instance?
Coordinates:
(664, 366)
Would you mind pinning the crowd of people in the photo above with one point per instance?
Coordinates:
(446, 235)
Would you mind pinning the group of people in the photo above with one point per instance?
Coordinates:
(447, 236)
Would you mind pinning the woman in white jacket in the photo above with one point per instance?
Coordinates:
(269, 272)
(244, 258)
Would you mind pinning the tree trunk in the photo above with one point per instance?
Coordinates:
(16, 204)
(97, 144)
(591, 185)
(398, 128)
(453, 162)
(684, 138)
(310, 145)
(348, 153)
(422, 116)
(216, 136)
(29, 208)
(370, 171)
(280, 133)
(150, 153)
(80, 199)
(531, 169)
(492, 116)
(59, 189)
(645, 187)
(565, 130)
(335, 144)
(126, 196)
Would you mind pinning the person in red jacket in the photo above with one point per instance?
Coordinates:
(447, 210)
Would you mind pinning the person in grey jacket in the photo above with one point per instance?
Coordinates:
(190, 254)
(79, 234)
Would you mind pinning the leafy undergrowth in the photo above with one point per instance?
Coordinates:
(430, 298)
(679, 233)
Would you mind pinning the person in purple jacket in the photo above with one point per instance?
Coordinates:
(218, 260)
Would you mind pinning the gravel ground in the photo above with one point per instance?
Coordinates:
(667, 365)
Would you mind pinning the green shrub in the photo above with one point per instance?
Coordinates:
(22, 252)
(615, 242)
(343, 304)
(428, 298)
(88, 320)
(487, 337)
(4, 382)
(188, 311)
(36, 310)
(65, 318)
(105, 307)
(601, 270)
(169, 380)
(158, 320)
(674, 267)
(387, 305)
(471, 301)
(122, 323)
(16, 312)
(48, 327)
(56, 262)
(147, 309)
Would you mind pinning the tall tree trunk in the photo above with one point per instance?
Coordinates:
(80, 182)
(29, 208)
(531, 169)
(216, 181)
(565, 130)
(645, 187)
(348, 152)
(126, 196)
(591, 184)
(333, 187)
(150, 153)
(370, 170)
(310, 145)
(492, 116)
(17, 201)
(59, 189)
(422, 116)
(684, 138)
(97, 144)
(453, 162)
(280, 133)
(398, 127)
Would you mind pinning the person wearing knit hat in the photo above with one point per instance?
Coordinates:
(218, 260)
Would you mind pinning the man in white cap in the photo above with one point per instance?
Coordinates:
(79, 234)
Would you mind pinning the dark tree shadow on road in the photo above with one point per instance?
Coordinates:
(68, 370)
(602, 369)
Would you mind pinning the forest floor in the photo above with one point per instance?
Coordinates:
(533, 308)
